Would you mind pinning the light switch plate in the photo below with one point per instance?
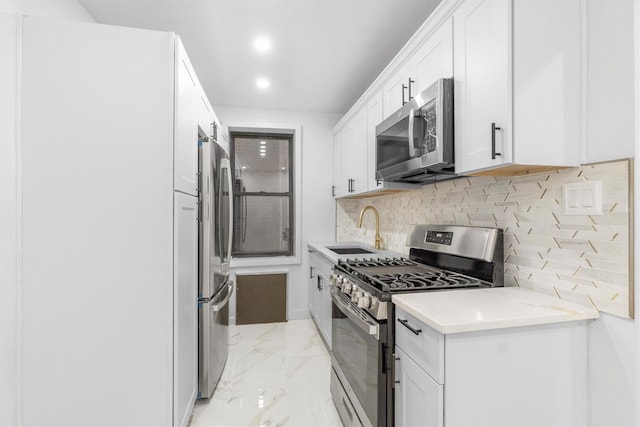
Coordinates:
(582, 198)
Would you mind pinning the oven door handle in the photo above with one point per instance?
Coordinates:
(368, 325)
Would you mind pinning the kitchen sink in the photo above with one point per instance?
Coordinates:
(349, 250)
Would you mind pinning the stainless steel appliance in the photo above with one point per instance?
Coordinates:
(441, 257)
(415, 144)
(215, 288)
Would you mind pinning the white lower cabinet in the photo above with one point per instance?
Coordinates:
(526, 375)
(419, 398)
(319, 295)
(185, 319)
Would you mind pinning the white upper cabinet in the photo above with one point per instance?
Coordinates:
(533, 59)
(396, 90)
(433, 60)
(482, 86)
(337, 190)
(538, 84)
(354, 152)
(611, 113)
(186, 124)
(546, 82)
(375, 115)
(205, 114)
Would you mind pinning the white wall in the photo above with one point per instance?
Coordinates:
(9, 188)
(614, 343)
(318, 207)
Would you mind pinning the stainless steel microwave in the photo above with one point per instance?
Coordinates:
(415, 144)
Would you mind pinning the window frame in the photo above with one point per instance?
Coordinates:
(290, 194)
(296, 131)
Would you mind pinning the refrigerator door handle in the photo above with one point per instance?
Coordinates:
(219, 306)
(226, 164)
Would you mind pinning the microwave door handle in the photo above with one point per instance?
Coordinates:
(412, 148)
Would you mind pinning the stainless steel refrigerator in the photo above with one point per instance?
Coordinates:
(215, 288)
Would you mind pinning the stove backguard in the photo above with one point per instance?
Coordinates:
(473, 251)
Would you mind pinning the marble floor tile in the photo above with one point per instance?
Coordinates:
(276, 374)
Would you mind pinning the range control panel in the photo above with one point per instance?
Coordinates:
(440, 237)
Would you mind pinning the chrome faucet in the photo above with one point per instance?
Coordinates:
(375, 211)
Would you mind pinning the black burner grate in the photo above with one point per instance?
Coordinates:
(401, 274)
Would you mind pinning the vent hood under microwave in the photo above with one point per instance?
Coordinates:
(415, 143)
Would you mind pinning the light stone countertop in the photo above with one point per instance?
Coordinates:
(322, 249)
(468, 310)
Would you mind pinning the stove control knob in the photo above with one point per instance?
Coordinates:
(346, 286)
(364, 301)
(356, 294)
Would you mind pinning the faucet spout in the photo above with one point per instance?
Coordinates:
(378, 243)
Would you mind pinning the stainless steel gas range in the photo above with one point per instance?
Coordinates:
(441, 257)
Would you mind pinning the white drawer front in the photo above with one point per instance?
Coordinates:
(319, 262)
(425, 346)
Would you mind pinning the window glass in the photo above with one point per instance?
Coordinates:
(262, 164)
(263, 226)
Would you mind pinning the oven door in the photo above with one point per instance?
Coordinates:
(358, 351)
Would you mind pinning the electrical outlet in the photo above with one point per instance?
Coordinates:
(582, 198)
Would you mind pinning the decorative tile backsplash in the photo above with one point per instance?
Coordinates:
(582, 258)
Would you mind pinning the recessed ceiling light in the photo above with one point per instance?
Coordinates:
(263, 142)
(262, 83)
(262, 44)
(283, 168)
(263, 154)
(244, 167)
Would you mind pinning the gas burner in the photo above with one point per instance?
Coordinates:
(376, 262)
(424, 280)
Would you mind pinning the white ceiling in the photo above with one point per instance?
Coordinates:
(324, 53)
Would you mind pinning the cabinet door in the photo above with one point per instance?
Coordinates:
(482, 91)
(339, 187)
(185, 309)
(374, 117)
(547, 60)
(611, 115)
(325, 295)
(311, 290)
(395, 90)
(186, 124)
(355, 157)
(434, 58)
(205, 114)
(419, 399)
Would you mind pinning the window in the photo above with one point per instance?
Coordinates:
(263, 194)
